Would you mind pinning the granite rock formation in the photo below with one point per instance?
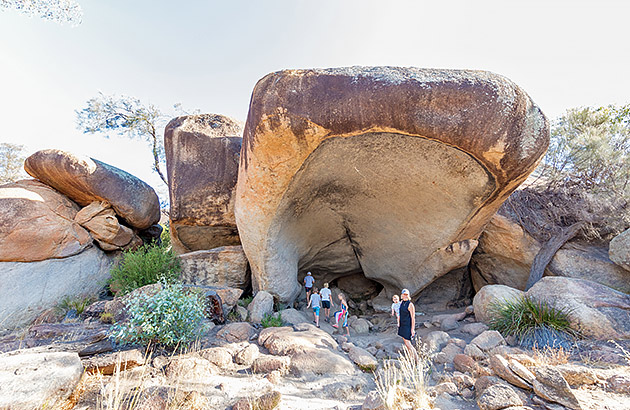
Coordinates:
(392, 172)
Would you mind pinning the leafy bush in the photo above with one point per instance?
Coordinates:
(271, 321)
(144, 266)
(533, 323)
(171, 317)
(78, 304)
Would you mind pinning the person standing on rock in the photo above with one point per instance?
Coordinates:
(326, 302)
(407, 320)
(308, 284)
(341, 316)
(314, 301)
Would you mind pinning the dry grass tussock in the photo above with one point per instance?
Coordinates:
(549, 356)
(401, 383)
(136, 390)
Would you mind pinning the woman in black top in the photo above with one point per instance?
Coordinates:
(406, 330)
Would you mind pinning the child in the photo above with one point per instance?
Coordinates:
(396, 309)
(314, 301)
(308, 284)
(326, 302)
(342, 315)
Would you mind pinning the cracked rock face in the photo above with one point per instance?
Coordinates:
(392, 172)
(202, 153)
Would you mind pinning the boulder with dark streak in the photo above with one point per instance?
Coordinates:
(392, 172)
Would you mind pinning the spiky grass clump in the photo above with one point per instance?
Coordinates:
(533, 323)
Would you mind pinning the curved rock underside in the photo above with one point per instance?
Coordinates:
(85, 180)
(202, 154)
(392, 172)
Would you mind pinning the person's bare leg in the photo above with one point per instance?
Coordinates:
(410, 348)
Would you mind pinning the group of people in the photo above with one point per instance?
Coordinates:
(321, 299)
(402, 308)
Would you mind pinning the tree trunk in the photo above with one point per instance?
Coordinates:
(547, 252)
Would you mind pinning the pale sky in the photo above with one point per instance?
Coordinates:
(208, 55)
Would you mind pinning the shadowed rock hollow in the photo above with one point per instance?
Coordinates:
(392, 172)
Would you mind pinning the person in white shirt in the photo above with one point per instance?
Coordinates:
(396, 309)
(326, 302)
(308, 284)
(314, 301)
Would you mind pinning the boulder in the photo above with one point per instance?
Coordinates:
(109, 363)
(100, 220)
(332, 160)
(501, 367)
(453, 290)
(30, 380)
(85, 180)
(357, 286)
(247, 355)
(37, 223)
(293, 317)
(267, 364)
(260, 306)
(550, 385)
(193, 369)
(236, 332)
(490, 295)
(362, 358)
(504, 255)
(506, 252)
(224, 266)
(619, 249)
(311, 349)
(202, 155)
(29, 288)
(498, 397)
(596, 311)
(218, 356)
(488, 340)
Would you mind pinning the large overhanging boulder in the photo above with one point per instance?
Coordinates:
(388, 171)
(202, 153)
(85, 180)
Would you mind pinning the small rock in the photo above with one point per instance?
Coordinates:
(107, 363)
(361, 326)
(247, 356)
(449, 352)
(267, 364)
(463, 381)
(447, 387)
(436, 340)
(373, 401)
(362, 358)
(267, 401)
(261, 305)
(498, 397)
(191, 368)
(474, 352)
(619, 384)
(483, 382)
(457, 342)
(474, 329)
(218, 356)
(470, 310)
(501, 368)
(101, 346)
(237, 332)
(241, 312)
(488, 340)
(373, 350)
(274, 377)
(522, 371)
(465, 364)
(550, 385)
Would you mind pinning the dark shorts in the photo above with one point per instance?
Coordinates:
(308, 289)
(326, 304)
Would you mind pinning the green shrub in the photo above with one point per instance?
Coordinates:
(144, 266)
(271, 321)
(533, 323)
(245, 301)
(73, 303)
(171, 317)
